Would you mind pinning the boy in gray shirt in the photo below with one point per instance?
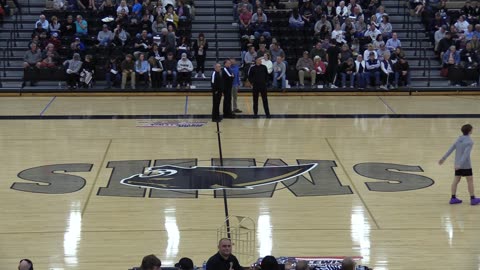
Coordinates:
(463, 165)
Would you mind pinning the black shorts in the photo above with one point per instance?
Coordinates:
(463, 172)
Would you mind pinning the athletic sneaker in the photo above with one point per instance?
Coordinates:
(456, 201)
(475, 201)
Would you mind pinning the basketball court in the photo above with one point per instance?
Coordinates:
(376, 192)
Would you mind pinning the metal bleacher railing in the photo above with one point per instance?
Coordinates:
(424, 62)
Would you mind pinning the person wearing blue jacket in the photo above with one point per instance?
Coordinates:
(235, 68)
(463, 165)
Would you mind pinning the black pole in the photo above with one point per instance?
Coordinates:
(225, 201)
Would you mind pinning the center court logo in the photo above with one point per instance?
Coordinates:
(171, 177)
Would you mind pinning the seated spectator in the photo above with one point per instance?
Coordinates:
(275, 50)
(57, 43)
(32, 59)
(184, 69)
(329, 10)
(338, 35)
(306, 11)
(439, 35)
(268, 64)
(382, 51)
(68, 28)
(269, 262)
(260, 28)
(25, 264)
(105, 37)
(279, 73)
(379, 15)
(377, 42)
(142, 69)
(345, 53)
(158, 25)
(322, 22)
(184, 47)
(306, 68)
(136, 10)
(342, 11)
(72, 69)
(318, 50)
(388, 73)
(170, 71)
(397, 54)
(171, 17)
(151, 262)
(320, 70)
(468, 34)
(451, 58)
(182, 11)
(258, 14)
(393, 43)
(347, 70)
(468, 57)
(128, 70)
(245, 19)
(120, 36)
(54, 26)
(123, 8)
(354, 8)
(295, 21)
(445, 44)
(49, 57)
(385, 27)
(143, 44)
(77, 46)
(156, 69)
(348, 28)
(262, 50)
(469, 11)
(39, 30)
(370, 49)
(88, 72)
(402, 73)
(145, 25)
(113, 73)
(360, 72)
(107, 9)
(461, 25)
(372, 32)
(373, 70)
(59, 5)
(43, 21)
(81, 25)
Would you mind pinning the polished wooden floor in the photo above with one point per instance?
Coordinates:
(414, 229)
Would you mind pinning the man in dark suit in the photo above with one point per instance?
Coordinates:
(227, 75)
(258, 77)
(217, 89)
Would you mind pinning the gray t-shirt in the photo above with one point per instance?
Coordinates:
(463, 147)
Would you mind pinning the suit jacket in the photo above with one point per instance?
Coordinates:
(227, 77)
(217, 82)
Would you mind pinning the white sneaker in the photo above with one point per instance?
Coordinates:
(196, 75)
(383, 87)
(203, 76)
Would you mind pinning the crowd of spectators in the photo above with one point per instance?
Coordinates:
(455, 35)
(142, 41)
(328, 42)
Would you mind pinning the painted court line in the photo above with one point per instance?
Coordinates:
(238, 116)
(387, 105)
(48, 105)
(186, 105)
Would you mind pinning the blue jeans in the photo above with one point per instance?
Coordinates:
(116, 78)
(361, 79)
(275, 81)
(371, 74)
(105, 42)
(174, 78)
(344, 79)
(266, 34)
